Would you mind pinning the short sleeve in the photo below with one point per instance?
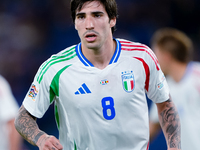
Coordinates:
(158, 90)
(37, 99)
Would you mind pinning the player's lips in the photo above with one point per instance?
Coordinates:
(90, 37)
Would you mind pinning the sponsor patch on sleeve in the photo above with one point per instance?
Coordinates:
(161, 84)
(33, 92)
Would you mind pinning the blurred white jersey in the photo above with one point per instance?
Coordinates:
(8, 110)
(186, 96)
(99, 109)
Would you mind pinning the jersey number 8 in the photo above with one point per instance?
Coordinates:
(108, 108)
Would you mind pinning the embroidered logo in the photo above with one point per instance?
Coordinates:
(104, 82)
(161, 84)
(128, 81)
(33, 92)
(83, 90)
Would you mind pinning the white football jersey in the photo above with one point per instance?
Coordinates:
(99, 109)
(186, 97)
(8, 111)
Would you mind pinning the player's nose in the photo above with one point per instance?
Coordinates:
(89, 23)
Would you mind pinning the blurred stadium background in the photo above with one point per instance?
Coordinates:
(32, 30)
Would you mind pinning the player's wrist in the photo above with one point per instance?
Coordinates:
(40, 138)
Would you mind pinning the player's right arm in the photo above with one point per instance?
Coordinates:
(170, 124)
(26, 125)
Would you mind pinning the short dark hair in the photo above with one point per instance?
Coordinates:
(174, 41)
(109, 5)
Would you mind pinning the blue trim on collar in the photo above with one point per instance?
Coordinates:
(86, 62)
(117, 52)
(82, 58)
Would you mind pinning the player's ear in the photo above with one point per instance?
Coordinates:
(113, 22)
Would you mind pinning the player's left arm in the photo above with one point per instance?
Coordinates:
(170, 124)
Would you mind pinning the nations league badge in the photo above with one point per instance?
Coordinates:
(128, 81)
(33, 92)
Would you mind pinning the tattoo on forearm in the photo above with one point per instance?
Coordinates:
(26, 125)
(170, 122)
(38, 136)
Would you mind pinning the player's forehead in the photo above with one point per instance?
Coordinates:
(92, 6)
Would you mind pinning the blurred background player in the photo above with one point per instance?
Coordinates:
(9, 137)
(174, 50)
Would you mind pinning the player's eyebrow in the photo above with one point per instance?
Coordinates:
(95, 12)
(80, 14)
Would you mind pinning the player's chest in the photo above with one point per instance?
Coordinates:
(118, 87)
(114, 79)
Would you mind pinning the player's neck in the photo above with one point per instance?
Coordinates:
(101, 57)
(177, 71)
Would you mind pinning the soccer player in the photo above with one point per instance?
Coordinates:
(9, 137)
(174, 52)
(98, 87)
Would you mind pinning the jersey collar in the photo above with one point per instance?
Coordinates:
(86, 62)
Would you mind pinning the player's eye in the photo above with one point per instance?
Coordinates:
(97, 16)
(80, 17)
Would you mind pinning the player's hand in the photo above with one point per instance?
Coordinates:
(47, 142)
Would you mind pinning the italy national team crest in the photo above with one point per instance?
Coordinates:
(128, 81)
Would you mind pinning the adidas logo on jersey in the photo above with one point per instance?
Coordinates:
(83, 90)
